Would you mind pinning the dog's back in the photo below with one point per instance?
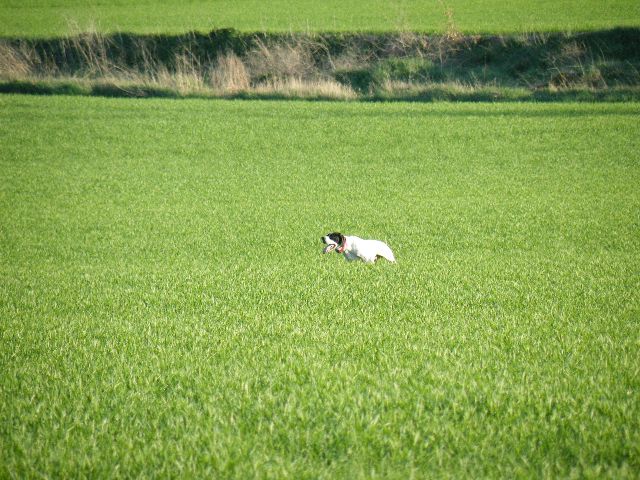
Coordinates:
(370, 250)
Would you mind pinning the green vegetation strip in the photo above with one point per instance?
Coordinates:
(166, 310)
(63, 17)
(588, 66)
(431, 93)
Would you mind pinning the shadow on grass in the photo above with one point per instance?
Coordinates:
(83, 89)
(43, 88)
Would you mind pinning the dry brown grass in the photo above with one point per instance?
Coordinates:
(281, 60)
(15, 63)
(187, 76)
(299, 88)
(93, 48)
(282, 68)
(229, 75)
(279, 69)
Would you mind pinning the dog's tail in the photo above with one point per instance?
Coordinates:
(386, 252)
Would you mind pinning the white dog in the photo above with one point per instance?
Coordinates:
(355, 248)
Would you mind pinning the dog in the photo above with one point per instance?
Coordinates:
(355, 248)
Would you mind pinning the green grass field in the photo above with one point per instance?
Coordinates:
(53, 18)
(166, 310)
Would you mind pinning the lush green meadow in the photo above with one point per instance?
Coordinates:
(166, 310)
(60, 17)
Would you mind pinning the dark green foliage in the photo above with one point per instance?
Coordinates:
(406, 69)
(614, 44)
(618, 72)
(361, 80)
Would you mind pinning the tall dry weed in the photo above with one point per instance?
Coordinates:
(187, 75)
(281, 60)
(449, 43)
(91, 52)
(16, 62)
(407, 44)
(229, 75)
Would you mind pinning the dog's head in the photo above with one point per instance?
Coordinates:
(333, 240)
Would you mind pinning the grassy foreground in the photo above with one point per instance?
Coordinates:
(166, 309)
(38, 18)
